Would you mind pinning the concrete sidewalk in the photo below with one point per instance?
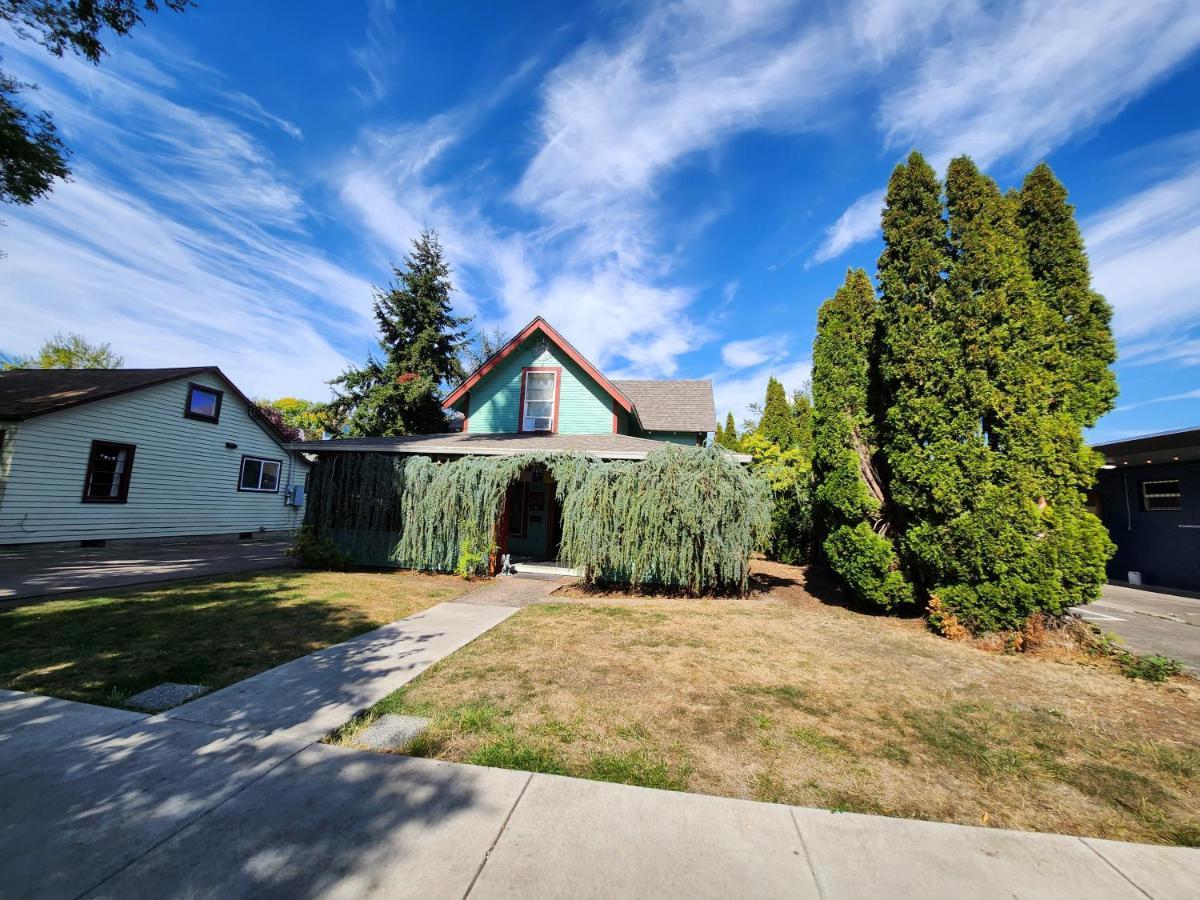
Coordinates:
(307, 698)
(37, 572)
(102, 803)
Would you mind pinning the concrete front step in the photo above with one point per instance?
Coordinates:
(545, 568)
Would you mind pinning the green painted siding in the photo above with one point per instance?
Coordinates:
(584, 407)
(184, 479)
(686, 438)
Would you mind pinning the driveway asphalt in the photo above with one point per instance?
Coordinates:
(1147, 621)
(234, 799)
(46, 573)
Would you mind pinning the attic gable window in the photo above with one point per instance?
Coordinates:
(539, 400)
(203, 403)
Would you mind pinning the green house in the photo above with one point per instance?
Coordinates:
(539, 394)
(94, 455)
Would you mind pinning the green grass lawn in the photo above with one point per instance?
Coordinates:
(104, 648)
(784, 698)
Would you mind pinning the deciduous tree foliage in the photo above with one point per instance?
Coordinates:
(421, 341)
(949, 455)
(69, 351)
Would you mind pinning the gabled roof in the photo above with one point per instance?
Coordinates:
(25, 393)
(28, 393)
(538, 325)
(672, 405)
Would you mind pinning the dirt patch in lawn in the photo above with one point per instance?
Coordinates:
(787, 696)
(215, 631)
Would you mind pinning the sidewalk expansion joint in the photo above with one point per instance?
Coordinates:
(496, 839)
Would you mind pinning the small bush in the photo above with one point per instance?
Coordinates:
(868, 565)
(1149, 668)
(315, 552)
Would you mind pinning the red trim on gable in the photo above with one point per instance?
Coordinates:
(466, 411)
(557, 370)
(614, 406)
(538, 324)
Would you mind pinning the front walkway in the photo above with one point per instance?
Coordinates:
(40, 572)
(229, 796)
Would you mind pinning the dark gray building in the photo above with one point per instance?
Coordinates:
(1148, 496)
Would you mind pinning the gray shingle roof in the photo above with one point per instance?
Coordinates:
(672, 405)
(604, 446)
(25, 393)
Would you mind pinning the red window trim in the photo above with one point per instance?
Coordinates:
(557, 370)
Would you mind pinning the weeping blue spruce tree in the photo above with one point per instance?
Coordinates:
(990, 352)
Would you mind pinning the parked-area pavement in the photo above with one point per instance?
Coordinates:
(40, 572)
(230, 796)
(1149, 621)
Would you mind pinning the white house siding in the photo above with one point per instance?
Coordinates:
(184, 479)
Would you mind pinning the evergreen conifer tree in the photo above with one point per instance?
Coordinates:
(729, 437)
(777, 424)
(1085, 386)
(802, 414)
(849, 499)
(421, 341)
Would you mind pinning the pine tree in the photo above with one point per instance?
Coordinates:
(1085, 386)
(421, 341)
(719, 436)
(777, 424)
(849, 498)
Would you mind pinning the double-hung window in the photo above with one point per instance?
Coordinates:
(108, 470)
(259, 475)
(541, 390)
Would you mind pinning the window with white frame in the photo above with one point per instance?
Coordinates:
(540, 391)
(259, 475)
(1159, 495)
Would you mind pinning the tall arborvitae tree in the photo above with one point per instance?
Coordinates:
(802, 416)
(850, 513)
(984, 325)
(421, 341)
(1085, 386)
(777, 424)
(728, 438)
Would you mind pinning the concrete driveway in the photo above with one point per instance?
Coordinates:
(46, 573)
(1149, 622)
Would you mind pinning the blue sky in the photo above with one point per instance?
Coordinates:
(676, 187)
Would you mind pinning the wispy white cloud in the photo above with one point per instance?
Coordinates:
(179, 239)
(381, 47)
(737, 394)
(754, 351)
(1169, 398)
(1016, 81)
(858, 223)
(1143, 252)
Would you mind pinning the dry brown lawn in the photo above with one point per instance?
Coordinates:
(103, 648)
(783, 697)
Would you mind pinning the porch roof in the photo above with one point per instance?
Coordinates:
(603, 446)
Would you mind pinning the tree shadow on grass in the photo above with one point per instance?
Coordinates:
(211, 632)
(822, 585)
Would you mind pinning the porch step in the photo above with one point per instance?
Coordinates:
(544, 568)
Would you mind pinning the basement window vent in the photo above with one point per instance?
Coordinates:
(245, 535)
(95, 542)
(1161, 495)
